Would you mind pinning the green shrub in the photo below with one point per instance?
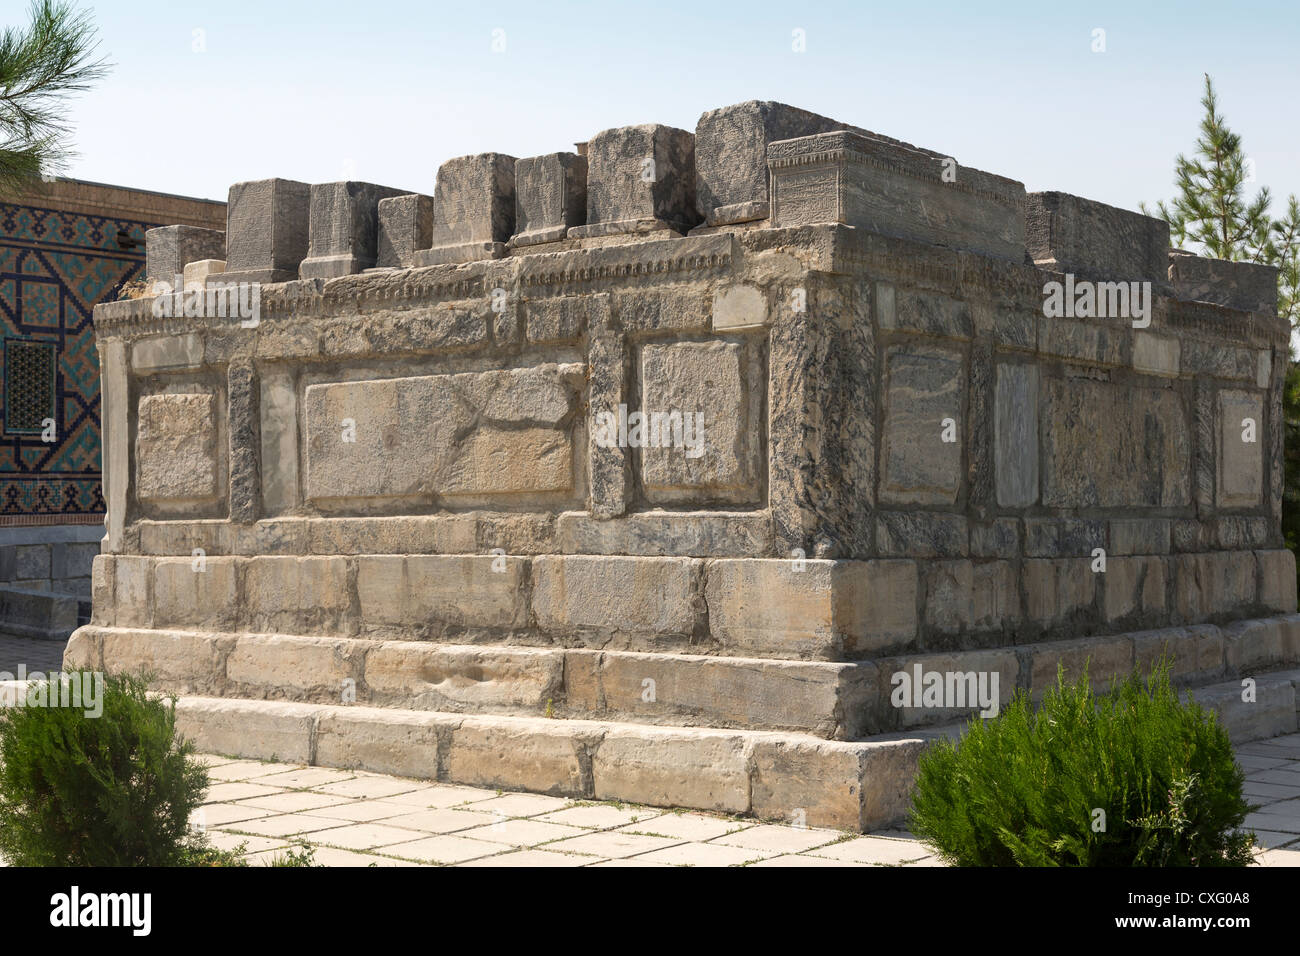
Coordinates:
(112, 790)
(1024, 788)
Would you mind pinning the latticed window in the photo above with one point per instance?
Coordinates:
(29, 385)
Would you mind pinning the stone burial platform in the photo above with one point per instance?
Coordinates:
(639, 475)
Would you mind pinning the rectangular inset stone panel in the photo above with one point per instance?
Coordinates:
(343, 228)
(473, 209)
(697, 434)
(405, 225)
(1241, 450)
(731, 180)
(266, 230)
(550, 196)
(476, 433)
(1238, 285)
(1015, 435)
(176, 447)
(924, 388)
(639, 178)
(1109, 446)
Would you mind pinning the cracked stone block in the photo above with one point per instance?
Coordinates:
(731, 180)
(1241, 450)
(1066, 233)
(924, 388)
(639, 179)
(267, 230)
(343, 228)
(176, 447)
(405, 225)
(169, 249)
(473, 210)
(488, 433)
(550, 197)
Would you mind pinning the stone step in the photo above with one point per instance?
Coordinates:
(1254, 708)
(774, 776)
(47, 615)
(826, 699)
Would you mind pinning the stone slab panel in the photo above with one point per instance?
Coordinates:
(1238, 285)
(417, 675)
(703, 769)
(405, 225)
(1070, 234)
(614, 595)
(550, 197)
(169, 249)
(1015, 435)
(343, 228)
(479, 591)
(267, 230)
(1240, 461)
(1106, 446)
(544, 756)
(176, 447)
(638, 176)
(924, 387)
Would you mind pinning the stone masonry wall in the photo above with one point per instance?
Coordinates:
(902, 451)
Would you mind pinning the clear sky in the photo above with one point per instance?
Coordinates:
(385, 90)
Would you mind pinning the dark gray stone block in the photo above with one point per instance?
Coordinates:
(169, 249)
(267, 229)
(550, 197)
(1238, 285)
(1066, 233)
(731, 179)
(639, 179)
(473, 209)
(344, 228)
(405, 225)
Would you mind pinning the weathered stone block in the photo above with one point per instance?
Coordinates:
(473, 209)
(1015, 435)
(1196, 652)
(811, 608)
(639, 178)
(963, 596)
(176, 447)
(888, 187)
(1108, 446)
(267, 230)
(1156, 354)
(925, 312)
(1241, 450)
(969, 673)
(696, 432)
(1059, 592)
(614, 595)
(1134, 589)
(921, 454)
(296, 595)
(258, 730)
(169, 249)
(705, 769)
(196, 274)
(1251, 645)
(1066, 233)
(1063, 537)
(454, 590)
(541, 755)
(1139, 536)
(167, 353)
(922, 534)
(1206, 585)
(731, 179)
(343, 228)
(740, 307)
(550, 197)
(1238, 285)
(399, 743)
(1277, 580)
(405, 225)
(303, 668)
(200, 591)
(1106, 659)
(488, 433)
(424, 676)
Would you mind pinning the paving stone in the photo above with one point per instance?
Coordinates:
(793, 859)
(523, 832)
(286, 825)
(873, 850)
(219, 814)
(780, 839)
(612, 843)
(1279, 858)
(440, 821)
(295, 802)
(443, 849)
(366, 836)
(369, 786)
(704, 854)
(689, 826)
(600, 817)
(332, 856)
(224, 792)
(251, 844)
(306, 777)
(440, 796)
(232, 770)
(531, 858)
(522, 804)
(1272, 839)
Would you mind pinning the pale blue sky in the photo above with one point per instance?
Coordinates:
(385, 91)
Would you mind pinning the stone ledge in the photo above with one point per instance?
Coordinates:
(856, 786)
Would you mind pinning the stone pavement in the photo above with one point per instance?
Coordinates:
(360, 819)
(35, 655)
